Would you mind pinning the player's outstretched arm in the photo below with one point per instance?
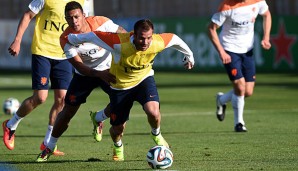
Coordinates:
(178, 44)
(95, 37)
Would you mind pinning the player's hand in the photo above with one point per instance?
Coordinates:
(225, 58)
(266, 44)
(106, 76)
(188, 62)
(188, 65)
(14, 48)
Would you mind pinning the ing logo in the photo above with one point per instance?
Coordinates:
(54, 26)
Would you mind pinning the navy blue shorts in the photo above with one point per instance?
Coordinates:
(122, 100)
(242, 65)
(45, 70)
(81, 87)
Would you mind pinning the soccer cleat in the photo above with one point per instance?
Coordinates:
(240, 128)
(44, 155)
(118, 153)
(97, 127)
(8, 136)
(159, 140)
(220, 109)
(56, 151)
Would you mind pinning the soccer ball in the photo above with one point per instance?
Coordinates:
(160, 157)
(10, 106)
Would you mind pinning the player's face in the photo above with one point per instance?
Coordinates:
(75, 19)
(142, 39)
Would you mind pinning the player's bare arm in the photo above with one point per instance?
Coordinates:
(212, 33)
(87, 71)
(267, 21)
(14, 48)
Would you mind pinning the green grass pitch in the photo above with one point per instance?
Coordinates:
(199, 141)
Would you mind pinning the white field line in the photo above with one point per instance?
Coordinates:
(14, 81)
(205, 113)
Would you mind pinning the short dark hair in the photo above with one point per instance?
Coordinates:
(72, 5)
(144, 24)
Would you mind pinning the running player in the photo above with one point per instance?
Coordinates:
(133, 57)
(235, 47)
(48, 65)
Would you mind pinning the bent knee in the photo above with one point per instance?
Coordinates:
(248, 94)
(40, 100)
(118, 130)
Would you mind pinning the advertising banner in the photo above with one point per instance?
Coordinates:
(282, 57)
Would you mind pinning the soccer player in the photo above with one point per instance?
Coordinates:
(133, 57)
(48, 65)
(235, 48)
(91, 64)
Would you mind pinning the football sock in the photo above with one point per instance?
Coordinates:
(238, 107)
(227, 97)
(155, 131)
(100, 116)
(52, 143)
(118, 143)
(48, 135)
(14, 122)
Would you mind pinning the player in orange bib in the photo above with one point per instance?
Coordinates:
(133, 57)
(91, 64)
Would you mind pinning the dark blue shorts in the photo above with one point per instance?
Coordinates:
(242, 65)
(81, 87)
(45, 70)
(122, 100)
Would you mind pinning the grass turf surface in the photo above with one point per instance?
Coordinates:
(199, 141)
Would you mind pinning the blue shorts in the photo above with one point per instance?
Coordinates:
(44, 70)
(122, 100)
(81, 87)
(242, 65)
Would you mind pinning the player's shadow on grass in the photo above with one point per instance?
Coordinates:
(90, 160)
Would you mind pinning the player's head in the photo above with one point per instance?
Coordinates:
(74, 15)
(143, 30)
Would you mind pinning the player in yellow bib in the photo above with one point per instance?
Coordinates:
(133, 57)
(48, 64)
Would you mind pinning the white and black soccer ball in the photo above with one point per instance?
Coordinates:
(10, 106)
(160, 157)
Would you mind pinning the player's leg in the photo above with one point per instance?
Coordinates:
(99, 117)
(116, 132)
(249, 74)
(61, 125)
(75, 96)
(121, 101)
(235, 73)
(61, 74)
(238, 104)
(40, 67)
(59, 95)
(148, 97)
